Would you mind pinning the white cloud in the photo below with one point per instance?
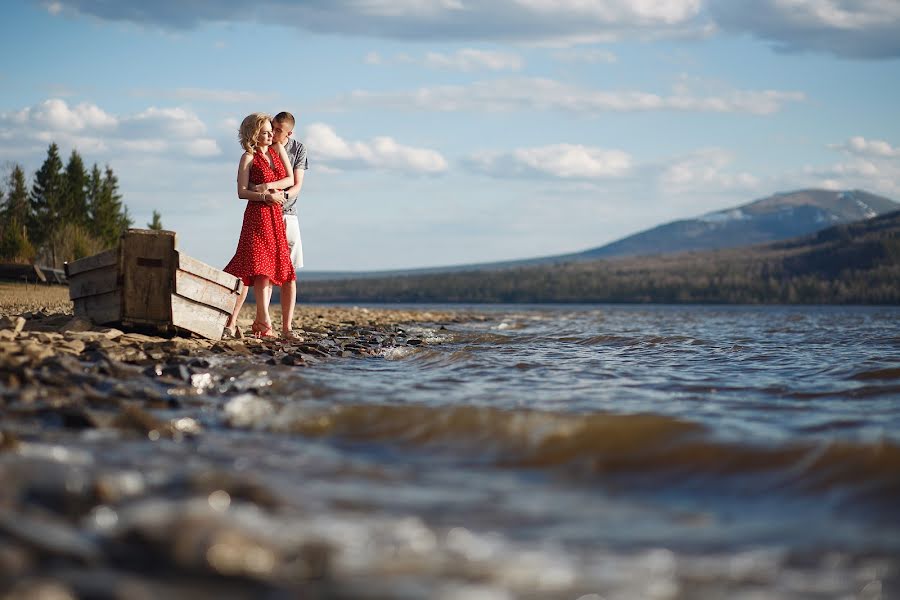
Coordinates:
(556, 161)
(585, 55)
(206, 95)
(852, 28)
(704, 170)
(531, 21)
(465, 59)
(89, 128)
(470, 59)
(860, 146)
(380, 153)
(870, 164)
(546, 94)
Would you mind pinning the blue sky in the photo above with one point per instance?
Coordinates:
(445, 132)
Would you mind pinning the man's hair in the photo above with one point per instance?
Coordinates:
(285, 117)
(250, 128)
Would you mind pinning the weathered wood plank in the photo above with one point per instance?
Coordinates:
(148, 266)
(102, 308)
(97, 261)
(94, 282)
(198, 318)
(201, 269)
(204, 291)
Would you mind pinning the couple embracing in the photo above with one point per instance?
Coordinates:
(270, 175)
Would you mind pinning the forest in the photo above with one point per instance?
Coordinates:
(856, 263)
(68, 212)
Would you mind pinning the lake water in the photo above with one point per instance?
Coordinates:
(597, 452)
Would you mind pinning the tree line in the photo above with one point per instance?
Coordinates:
(857, 263)
(68, 212)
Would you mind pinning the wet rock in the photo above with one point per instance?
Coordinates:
(39, 589)
(71, 346)
(133, 418)
(50, 536)
(14, 324)
(248, 410)
(77, 324)
(8, 441)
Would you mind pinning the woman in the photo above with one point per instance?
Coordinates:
(262, 258)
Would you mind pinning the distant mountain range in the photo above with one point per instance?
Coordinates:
(853, 263)
(777, 217)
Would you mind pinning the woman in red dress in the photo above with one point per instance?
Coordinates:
(263, 258)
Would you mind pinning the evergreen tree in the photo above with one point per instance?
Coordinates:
(110, 189)
(156, 223)
(14, 214)
(16, 205)
(105, 222)
(74, 208)
(46, 197)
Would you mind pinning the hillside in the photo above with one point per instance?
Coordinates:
(777, 217)
(856, 263)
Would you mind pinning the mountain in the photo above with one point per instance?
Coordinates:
(855, 263)
(777, 217)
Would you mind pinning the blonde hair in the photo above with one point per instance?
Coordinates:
(250, 128)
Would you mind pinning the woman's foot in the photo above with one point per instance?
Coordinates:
(291, 336)
(262, 329)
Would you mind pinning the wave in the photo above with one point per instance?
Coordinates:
(643, 447)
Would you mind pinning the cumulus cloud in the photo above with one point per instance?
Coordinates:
(585, 55)
(533, 21)
(704, 170)
(559, 161)
(860, 146)
(850, 28)
(867, 164)
(466, 60)
(507, 95)
(207, 95)
(92, 129)
(379, 153)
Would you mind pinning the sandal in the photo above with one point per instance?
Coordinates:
(261, 330)
(291, 336)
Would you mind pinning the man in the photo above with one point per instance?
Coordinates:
(282, 130)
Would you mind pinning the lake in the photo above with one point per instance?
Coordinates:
(597, 452)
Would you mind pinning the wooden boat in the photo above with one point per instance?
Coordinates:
(147, 281)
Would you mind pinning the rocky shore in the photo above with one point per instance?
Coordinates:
(106, 490)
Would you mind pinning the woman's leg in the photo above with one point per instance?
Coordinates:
(232, 320)
(262, 289)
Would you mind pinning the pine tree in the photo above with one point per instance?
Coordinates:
(74, 208)
(16, 205)
(110, 189)
(46, 197)
(104, 212)
(156, 223)
(14, 214)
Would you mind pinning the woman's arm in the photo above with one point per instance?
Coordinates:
(243, 181)
(288, 180)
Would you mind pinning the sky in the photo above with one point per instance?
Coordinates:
(445, 132)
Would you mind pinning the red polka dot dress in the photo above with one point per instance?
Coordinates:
(263, 247)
